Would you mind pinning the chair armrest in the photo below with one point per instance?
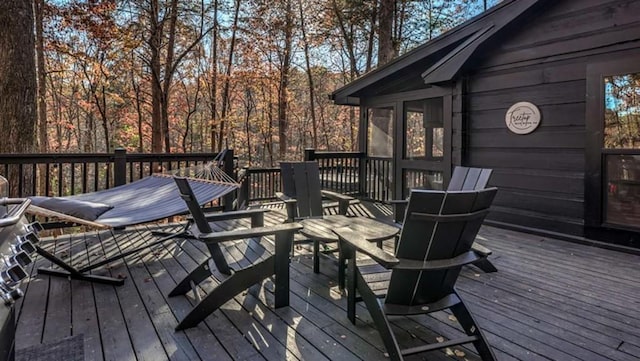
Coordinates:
(216, 237)
(224, 216)
(481, 250)
(290, 204)
(256, 215)
(344, 201)
(399, 206)
(399, 201)
(285, 198)
(438, 264)
(361, 244)
(337, 196)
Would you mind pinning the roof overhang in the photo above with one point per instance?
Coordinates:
(448, 66)
(468, 36)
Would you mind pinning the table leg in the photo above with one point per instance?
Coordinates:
(316, 256)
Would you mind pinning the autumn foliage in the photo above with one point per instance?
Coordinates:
(193, 76)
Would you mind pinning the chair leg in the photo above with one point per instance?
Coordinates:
(199, 274)
(470, 326)
(342, 266)
(379, 317)
(229, 288)
(316, 256)
(351, 291)
(218, 258)
(485, 265)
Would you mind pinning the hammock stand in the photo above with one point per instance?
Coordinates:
(146, 200)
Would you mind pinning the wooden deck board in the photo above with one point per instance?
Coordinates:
(218, 324)
(550, 300)
(161, 266)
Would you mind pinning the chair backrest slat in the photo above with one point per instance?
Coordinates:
(425, 240)
(288, 183)
(186, 192)
(302, 181)
(467, 179)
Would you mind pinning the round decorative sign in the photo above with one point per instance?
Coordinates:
(522, 118)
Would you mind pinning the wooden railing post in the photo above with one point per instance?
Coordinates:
(362, 176)
(228, 168)
(120, 167)
(309, 154)
(243, 192)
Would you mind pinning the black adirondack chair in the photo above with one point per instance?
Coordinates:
(303, 196)
(269, 263)
(435, 242)
(463, 179)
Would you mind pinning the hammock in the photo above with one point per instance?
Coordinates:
(148, 199)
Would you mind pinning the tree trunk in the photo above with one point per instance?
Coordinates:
(155, 42)
(227, 80)
(284, 81)
(43, 141)
(213, 92)
(385, 34)
(42, 81)
(138, 102)
(249, 105)
(371, 40)
(18, 116)
(168, 74)
(312, 107)
(348, 40)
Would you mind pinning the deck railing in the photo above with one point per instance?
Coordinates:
(67, 174)
(346, 172)
(339, 171)
(378, 181)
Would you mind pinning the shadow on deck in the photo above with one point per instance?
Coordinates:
(550, 300)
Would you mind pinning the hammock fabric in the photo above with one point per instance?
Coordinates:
(149, 199)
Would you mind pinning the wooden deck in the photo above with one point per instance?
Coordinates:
(550, 300)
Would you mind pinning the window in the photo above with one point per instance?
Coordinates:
(621, 143)
(380, 132)
(416, 135)
(622, 111)
(623, 190)
(424, 129)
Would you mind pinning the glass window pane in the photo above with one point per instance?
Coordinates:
(380, 132)
(423, 179)
(416, 134)
(622, 111)
(423, 130)
(623, 190)
(437, 147)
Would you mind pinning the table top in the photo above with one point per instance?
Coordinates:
(322, 228)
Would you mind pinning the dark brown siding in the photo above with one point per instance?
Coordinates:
(541, 175)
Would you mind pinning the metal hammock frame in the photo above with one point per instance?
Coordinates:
(148, 199)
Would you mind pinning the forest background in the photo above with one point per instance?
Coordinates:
(201, 75)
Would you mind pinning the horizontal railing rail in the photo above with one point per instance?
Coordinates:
(260, 184)
(339, 171)
(68, 174)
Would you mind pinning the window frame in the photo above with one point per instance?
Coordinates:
(595, 153)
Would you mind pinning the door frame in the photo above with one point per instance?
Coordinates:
(399, 163)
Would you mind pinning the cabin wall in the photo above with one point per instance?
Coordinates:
(541, 175)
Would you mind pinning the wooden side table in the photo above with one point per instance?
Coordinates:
(321, 230)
